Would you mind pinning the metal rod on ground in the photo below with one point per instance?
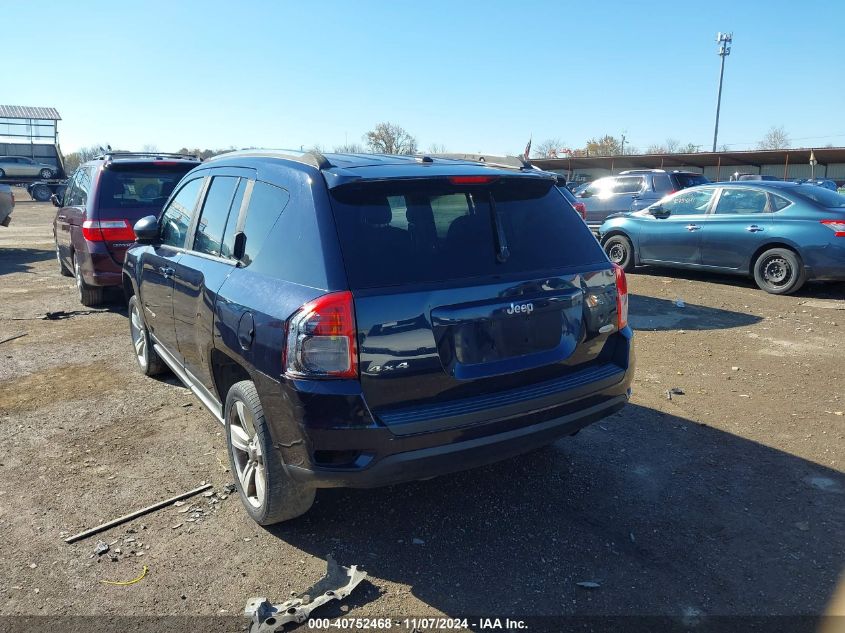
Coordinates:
(135, 515)
(12, 338)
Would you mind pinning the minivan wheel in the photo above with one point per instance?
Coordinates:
(148, 360)
(620, 251)
(46, 174)
(779, 271)
(63, 270)
(267, 491)
(88, 295)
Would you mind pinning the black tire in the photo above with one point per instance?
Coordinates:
(89, 296)
(149, 362)
(279, 498)
(64, 271)
(46, 174)
(41, 193)
(779, 271)
(620, 251)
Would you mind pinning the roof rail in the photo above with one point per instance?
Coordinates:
(108, 156)
(313, 158)
(512, 162)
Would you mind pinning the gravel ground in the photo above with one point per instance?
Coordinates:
(726, 500)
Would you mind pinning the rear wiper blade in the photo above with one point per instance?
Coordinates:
(502, 250)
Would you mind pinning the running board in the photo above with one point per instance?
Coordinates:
(209, 401)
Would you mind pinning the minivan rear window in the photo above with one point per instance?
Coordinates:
(403, 232)
(137, 189)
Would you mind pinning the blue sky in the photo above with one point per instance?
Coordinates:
(472, 75)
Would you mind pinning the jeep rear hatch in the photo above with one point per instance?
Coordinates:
(469, 286)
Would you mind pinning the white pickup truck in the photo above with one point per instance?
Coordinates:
(7, 204)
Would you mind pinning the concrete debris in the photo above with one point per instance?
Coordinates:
(101, 548)
(335, 585)
(674, 391)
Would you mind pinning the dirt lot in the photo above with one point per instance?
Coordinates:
(729, 499)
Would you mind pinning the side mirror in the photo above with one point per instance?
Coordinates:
(658, 211)
(239, 247)
(55, 200)
(585, 194)
(146, 230)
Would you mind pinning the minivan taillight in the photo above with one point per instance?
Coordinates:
(621, 297)
(321, 339)
(108, 231)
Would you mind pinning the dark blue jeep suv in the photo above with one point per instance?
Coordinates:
(361, 320)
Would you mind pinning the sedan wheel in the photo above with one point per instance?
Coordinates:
(779, 271)
(620, 251)
(46, 174)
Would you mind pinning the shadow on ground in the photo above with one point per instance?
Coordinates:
(668, 516)
(814, 289)
(650, 313)
(18, 260)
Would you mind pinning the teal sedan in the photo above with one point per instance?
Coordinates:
(779, 233)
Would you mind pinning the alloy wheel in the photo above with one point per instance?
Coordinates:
(247, 453)
(139, 335)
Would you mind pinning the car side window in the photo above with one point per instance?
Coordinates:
(628, 184)
(70, 191)
(778, 202)
(265, 206)
(228, 245)
(741, 202)
(214, 215)
(176, 218)
(688, 202)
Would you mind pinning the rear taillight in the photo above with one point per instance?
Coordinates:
(621, 297)
(837, 226)
(581, 208)
(108, 231)
(321, 339)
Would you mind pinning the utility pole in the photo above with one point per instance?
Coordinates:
(724, 40)
(622, 149)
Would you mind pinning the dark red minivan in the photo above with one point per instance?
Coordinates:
(103, 200)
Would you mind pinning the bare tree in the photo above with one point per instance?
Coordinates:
(316, 148)
(548, 148)
(350, 148)
(437, 148)
(82, 155)
(672, 145)
(387, 138)
(150, 147)
(775, 138)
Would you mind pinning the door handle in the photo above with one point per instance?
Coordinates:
(753, 228)
(166, 271)
(692, 227)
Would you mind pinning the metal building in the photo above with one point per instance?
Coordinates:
(788, 164)
(31, 132)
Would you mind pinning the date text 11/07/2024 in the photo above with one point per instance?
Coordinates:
(416, 624)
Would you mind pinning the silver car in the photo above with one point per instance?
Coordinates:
(13, 166)
(7, 204)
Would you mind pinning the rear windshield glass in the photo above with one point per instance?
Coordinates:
(822, 196)
(689, 180)
(137, 189)
(408, 232)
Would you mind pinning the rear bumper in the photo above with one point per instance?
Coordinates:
(331, 439)
(453, 457)
(100, 268)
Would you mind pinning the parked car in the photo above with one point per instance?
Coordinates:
(632, 190)
(779, 233)
(13, 166)
(579, 206)
(7, 204)
(738, 177)
(362, 320)
(103, 199)
(819, 182)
